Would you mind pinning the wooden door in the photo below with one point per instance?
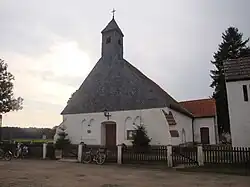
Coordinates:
(204, 135)
(111, 135)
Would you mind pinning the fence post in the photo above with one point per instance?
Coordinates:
(119, 154)
(44, 150)
(79, 157)
(169, 156)
(200, 155)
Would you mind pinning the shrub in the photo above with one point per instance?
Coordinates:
(62, 140)
(140, 139)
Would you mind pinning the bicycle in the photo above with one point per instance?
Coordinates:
(99, 157)
(5, 153)
(21, 151)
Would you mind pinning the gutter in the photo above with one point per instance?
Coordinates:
(193, 129)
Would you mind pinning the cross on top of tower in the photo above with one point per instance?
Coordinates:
(113, 12)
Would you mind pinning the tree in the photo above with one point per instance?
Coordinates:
(232, 46)
(62, 141)
(7, 100)
(140, 138)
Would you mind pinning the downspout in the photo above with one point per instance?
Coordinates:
(193, 128)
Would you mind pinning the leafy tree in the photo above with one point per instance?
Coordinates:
(7, 100)
(232, 46)
(62, 141)
(140, 138)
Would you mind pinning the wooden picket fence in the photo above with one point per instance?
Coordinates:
(184, 155)
(227, 155)
(154, 154)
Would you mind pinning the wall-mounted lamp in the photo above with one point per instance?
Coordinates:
(107, 114)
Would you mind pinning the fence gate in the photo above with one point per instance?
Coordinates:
(184, 156)
(71, 151)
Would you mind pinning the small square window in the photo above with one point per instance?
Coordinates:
(174, 133)
(245, 93)
(88, 131)
(108, 40)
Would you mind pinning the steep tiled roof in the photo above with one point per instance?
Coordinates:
(117, 86)
(201, 108)
(237, 69)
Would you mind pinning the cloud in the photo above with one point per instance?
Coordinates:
(51, 46)
(47, 81)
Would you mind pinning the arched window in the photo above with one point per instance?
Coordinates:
(119, 42)
(108, 40)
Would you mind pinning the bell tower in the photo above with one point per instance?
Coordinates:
(112, 41)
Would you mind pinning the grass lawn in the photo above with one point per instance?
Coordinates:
(33, 140)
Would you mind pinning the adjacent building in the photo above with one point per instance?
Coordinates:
(237, 76)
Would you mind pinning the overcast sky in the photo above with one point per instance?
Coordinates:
(51, 46)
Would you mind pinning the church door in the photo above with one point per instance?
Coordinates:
(110, 135)
(204, 135)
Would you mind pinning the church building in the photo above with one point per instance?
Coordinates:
(116, 96)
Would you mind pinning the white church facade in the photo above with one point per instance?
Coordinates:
(116, 96)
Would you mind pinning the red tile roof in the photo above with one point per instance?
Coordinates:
(201, 107)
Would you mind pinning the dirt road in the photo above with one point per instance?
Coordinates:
(38, 173)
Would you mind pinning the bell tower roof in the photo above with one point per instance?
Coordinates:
(112, 26)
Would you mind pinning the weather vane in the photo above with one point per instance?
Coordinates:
(113, 12)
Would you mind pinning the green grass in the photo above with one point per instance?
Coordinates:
(33, 140)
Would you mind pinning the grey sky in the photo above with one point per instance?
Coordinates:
(51, 46)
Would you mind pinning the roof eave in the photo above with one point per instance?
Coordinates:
(182, 111)
(238, 79)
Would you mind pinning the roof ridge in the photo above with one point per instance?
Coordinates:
(197, 100)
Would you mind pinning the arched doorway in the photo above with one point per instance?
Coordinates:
(108, 133)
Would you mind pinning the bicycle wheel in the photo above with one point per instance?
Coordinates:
(1, 154)
(86, 158)
(15, 155)
(100, 158)
(7, 156)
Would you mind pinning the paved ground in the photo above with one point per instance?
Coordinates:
(35, 173)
